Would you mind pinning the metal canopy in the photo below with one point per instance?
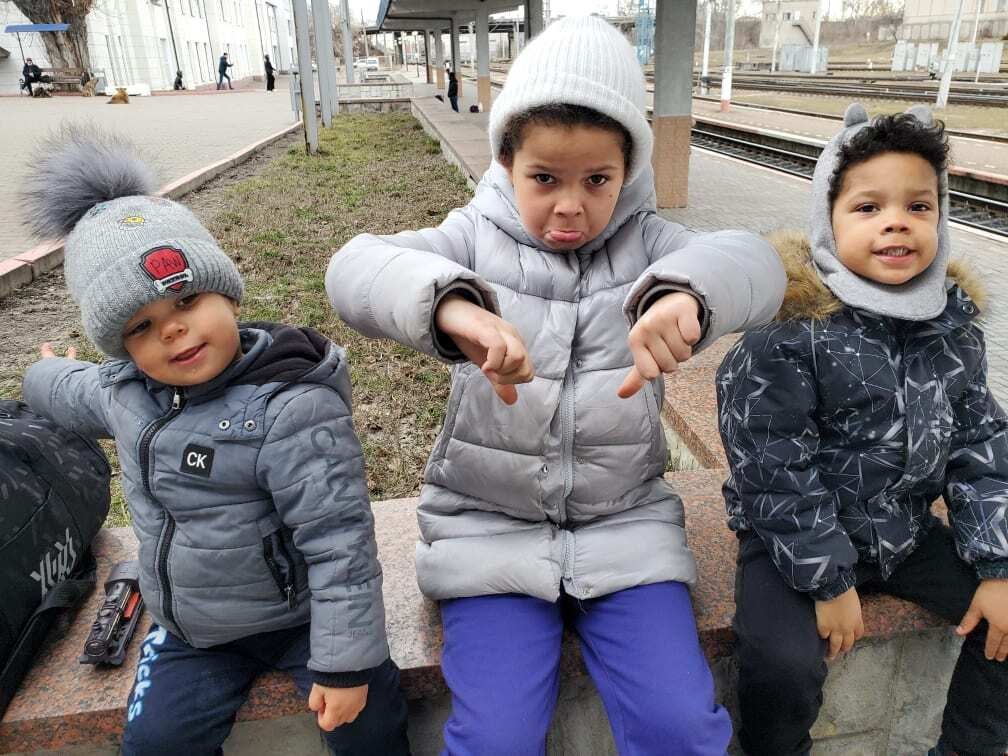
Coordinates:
(24, 28)
(430, 13)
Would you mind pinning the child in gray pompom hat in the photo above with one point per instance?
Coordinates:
(244, 477)
(844, 421)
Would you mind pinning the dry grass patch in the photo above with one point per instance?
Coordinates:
(375, 173)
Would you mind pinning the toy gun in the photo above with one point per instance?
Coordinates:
(117, 617)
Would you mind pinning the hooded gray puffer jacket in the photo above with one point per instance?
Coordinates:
(248, 494)
(566, 486)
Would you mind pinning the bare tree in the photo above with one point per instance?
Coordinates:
(67, 49)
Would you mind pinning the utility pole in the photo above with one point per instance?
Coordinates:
(976, 25)
(305, 77)
(347, 41)
(950, 55)
(705, 67)
(776, 39)
(325, 58)
(364, 31)
(729, 45)
(815, 44)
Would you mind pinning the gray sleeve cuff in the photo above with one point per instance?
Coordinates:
(443, 343)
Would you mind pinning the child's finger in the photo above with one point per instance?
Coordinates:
(496, 353)
(835, 644)
(515, 354)
(676, 343)
(316, 700)
(329, 718)
(631, 384)
(848, 642)
(969, 621)
(662, 355)
(72, 353)
(507, 392)
(1002, 653)
(689, 327)
(994, 641)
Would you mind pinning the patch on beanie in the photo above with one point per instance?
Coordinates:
(132, 221)
(167, 267)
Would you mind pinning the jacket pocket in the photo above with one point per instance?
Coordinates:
(278, 553)
(459, 380)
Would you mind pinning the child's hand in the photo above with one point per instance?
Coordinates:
(839, 621)
(661, 339)
(47, 352)
(336, 706)
(990, 602)
(492, 344)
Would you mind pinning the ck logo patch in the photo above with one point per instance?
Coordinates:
(167, 267)
(197, 460)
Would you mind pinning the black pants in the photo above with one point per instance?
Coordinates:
(270, 82)
(185, 699)
(782, 664)
(453, 99)
(220, 80)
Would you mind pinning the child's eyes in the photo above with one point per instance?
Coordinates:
(920, 207)
(137, 329)
(597, 179)
(868, 207)
(186, 302)
(544, 178)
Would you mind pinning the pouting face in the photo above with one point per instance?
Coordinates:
(567, 180)
(885, 218)
(184, 340)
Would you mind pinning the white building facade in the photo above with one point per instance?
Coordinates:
(147, 41)
(797, 19)
(932, 19)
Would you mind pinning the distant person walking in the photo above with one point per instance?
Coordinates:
(222, 66)
(178, 81)
(453, 90)
(270, 78)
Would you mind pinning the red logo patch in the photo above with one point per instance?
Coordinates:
(167, 267)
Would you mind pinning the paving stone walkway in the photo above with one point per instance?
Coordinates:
(178, 134)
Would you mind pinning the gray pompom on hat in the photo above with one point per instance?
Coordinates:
(124, 248)
(578, 60)
(921, 298)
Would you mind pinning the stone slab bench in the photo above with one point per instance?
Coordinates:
(63, 704)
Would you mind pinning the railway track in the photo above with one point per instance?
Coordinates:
(967, 203)
(990, 96)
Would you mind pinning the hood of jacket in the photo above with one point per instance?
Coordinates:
(495, 199)
(808, 298)
(921, 298)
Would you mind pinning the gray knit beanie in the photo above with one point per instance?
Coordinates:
(124, 248)
(579, 60)
(922, 297)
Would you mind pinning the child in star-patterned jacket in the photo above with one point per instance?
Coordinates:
(844, 420)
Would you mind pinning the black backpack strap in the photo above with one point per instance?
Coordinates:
(64, 594)
(71, 591)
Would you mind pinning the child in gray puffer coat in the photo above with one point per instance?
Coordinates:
(844, 421)
(561, 296)
(243, 474)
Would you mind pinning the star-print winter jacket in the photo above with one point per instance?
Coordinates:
(247, 493)
(842, 427)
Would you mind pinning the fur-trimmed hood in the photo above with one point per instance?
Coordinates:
(807, 297)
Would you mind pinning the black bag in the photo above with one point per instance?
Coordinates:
(54, 497)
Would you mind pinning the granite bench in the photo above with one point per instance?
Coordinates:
(75, 709)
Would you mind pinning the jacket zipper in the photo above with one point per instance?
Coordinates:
(567, 439)
(161, 565)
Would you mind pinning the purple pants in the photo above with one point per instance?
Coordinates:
(501, 661)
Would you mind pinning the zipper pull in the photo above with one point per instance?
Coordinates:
(177, 400)
(291, 596)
